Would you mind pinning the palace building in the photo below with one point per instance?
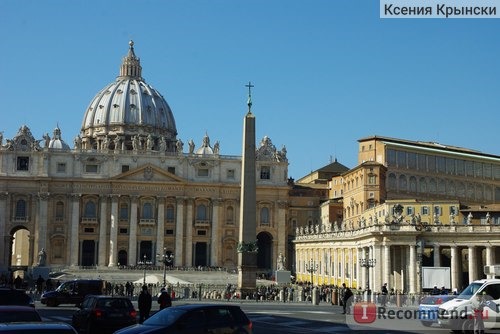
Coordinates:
(127, 190)
(405, 206)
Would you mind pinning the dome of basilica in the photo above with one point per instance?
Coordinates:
(128, 114)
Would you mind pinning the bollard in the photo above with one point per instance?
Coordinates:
(199, 292)
(315, 296)
(282, 296)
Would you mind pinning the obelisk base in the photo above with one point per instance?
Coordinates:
(247, 275)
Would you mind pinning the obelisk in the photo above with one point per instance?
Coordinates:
(247, 245)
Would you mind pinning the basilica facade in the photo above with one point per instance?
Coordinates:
(127, 190)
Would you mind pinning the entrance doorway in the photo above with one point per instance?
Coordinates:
(88, 253)
(200, 254)
(264, 256)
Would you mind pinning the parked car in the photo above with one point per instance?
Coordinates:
(104, 314)
(194, 319)
(9, 296)
(37, 328)
(14, 313)
(73, 292)
(429, 307)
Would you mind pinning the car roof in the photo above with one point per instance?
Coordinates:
(203, 306)
(33, 325)
(107, 297)
(15, 308)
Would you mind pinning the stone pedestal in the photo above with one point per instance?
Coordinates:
(40, 271)
(282, 276)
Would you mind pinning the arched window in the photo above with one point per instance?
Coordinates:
(392, 181)
(230, 215)
(170, 213)
(124, 211)
(21, 208)
(59, 210)
(147, 211)
(90, 210)
(403, 186)
(264, 216)
(201, 212)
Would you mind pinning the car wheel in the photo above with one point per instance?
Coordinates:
(51, 302)
(426, 323)
(468, 326)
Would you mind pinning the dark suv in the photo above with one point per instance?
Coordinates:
(104, 314)
(73, 292)
(9, 296)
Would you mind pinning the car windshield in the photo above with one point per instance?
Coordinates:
(113, 303)
(165, 317)
(469, 291)
(435, 300)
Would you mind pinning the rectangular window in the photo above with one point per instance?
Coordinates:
(453, 210)
(203, 172)
(169, 232)
(88, 230)
(437, 210)
(125, 168)
(412, 160)
(91, 168)
(23, 163)
(425, 210)
(230, 174)
(202, 232)
(461, 167)
(265, 173)
(61, 167)
(171, 170)
(409, 210)
(441, 165)
(431, 163)
(123, 230)
(422, 162)
(401, 156)
(391, 158)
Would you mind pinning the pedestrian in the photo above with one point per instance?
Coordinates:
(18, 282)
(346, 295)
(164, 299)
(478, 307)
(39, 284)
(144, 304)
(383, 297)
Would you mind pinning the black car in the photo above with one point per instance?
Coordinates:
(37, 328)
(15, 313)
(104, 314)
(9, 296)
(195, 319)
(73, 292)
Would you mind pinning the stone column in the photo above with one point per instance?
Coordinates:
(489, 258)
(189, 233)
(132, 241)
(4, 238)
(113, 232)
(160, 229)
(215, 240)
(103, 229)
(179, 232)
(472, 264)
(437, 256)
(361, 271)
(42, 222)
(387, 267)
(412, 269)
(376, 279)
(74, 238)
(455, 271)
(247, 250)
(281, 226)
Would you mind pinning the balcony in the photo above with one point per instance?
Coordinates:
(21, 220)
(201, 223)
(89, 221)
(147, 222)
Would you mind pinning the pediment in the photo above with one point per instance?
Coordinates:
(148, 172)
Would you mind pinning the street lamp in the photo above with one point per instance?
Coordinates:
(168, 260)
(145, 264)
(367, 263)
(311, 268)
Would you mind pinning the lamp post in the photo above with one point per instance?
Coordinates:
(144, 263)
(311, 268)
(367, 263)
(168, 260)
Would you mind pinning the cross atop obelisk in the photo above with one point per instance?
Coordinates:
(247, 244)
(249, 102)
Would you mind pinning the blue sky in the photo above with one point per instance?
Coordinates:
(326, 73)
